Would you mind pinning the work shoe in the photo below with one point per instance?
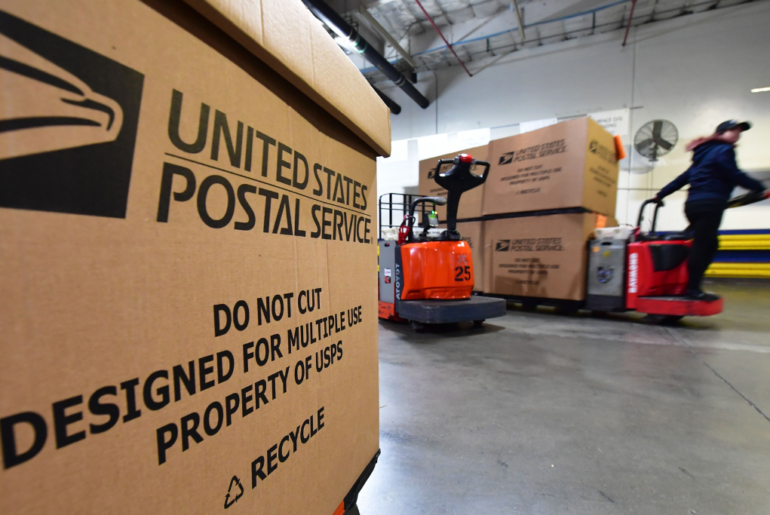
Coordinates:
(701, 295)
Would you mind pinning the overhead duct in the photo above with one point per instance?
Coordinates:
(390, 39)
(343, 29)
(392, 105)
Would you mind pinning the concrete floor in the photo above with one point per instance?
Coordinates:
(539, 413)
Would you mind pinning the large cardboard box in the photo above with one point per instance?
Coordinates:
(567, 165)
(540, 256)
(470, 202)
(187, 239)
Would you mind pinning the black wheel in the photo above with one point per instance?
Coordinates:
(662, 319)
(478, 323)
(417, 327)
(567, 309)
(652, 319)
(529, 305)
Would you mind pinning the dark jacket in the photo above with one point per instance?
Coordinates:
(713, 174)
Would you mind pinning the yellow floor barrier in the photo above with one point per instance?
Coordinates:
(744, 242)
(741, 266)
(728, 242)
(739, 274)
(739, 270)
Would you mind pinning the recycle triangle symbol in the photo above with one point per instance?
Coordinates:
(231, 496)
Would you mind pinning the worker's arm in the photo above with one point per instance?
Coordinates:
(730, 167)
(675, 185)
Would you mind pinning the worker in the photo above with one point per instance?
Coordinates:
(712, 177)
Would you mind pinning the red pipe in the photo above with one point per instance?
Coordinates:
(630, 17)
(445, 41)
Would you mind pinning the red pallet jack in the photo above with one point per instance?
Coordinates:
(647, 272)
(428, 279)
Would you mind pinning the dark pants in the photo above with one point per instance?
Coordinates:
(705, 218)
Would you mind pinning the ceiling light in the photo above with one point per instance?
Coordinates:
(760, 90)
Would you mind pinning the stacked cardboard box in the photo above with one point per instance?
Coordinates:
(546, 192)
(188, 305)
(568, 165)
(539, 256)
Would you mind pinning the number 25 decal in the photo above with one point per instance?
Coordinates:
(463, 273)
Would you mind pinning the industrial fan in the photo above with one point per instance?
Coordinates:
(656, 138)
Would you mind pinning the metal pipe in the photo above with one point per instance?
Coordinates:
(343, 29)
(518, 18)
(442, 37)
(384, 33)
(630, 17)
(534, 24)
(394, 107)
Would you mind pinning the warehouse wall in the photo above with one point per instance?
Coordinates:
(695, 71)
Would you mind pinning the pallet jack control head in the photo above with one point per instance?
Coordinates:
(457, 176)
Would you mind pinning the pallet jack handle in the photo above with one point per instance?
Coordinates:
(457, 180)
(658, 204)
(738, 201)
(748, 198)
(405, 233)
(439, 201)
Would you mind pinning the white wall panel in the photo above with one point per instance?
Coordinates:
(695, 71)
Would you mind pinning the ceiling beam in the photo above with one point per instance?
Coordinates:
(442, 37)
(384, 33)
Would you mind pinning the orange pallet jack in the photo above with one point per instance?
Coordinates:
(428, 279)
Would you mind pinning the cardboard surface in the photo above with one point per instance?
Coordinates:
(539, 256)
(286, 36)
(176, 249)
(470, 202)
(567, 165)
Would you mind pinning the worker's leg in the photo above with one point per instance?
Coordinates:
(713, 221)
(705, 221)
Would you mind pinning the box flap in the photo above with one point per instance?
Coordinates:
(286, 36)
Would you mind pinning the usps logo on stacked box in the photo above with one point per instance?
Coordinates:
(69, 146)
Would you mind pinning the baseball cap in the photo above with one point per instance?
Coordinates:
(732, 124)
